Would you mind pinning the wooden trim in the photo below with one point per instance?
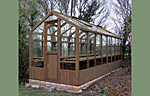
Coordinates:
(68, 61)
(54, 20)
(67, 42)
(111, 49)
(51, 53)
(39, 23)
(95, 49)
(37, 40)
(101, 50)
(37, 60)
(87, 50)
(83, 29)
(69, 48)
(77, 56)
(51, 41)
(115, 49)
(118, 49)
(56, 14)
(58, 48)
(106, 49)
(42, 45)
(38, 33)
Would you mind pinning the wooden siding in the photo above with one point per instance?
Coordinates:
(68, 77)
(97, 71)
(38, 73)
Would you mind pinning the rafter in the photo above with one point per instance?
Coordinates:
(66, 31)
(82, 36)
(60, 27)
(71, 34)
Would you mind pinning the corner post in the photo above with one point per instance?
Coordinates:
(77, 55)
(58, 48)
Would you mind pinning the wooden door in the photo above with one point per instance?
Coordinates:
(51, 67)
(50, 56)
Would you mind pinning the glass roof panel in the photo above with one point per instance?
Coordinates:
(94, 28)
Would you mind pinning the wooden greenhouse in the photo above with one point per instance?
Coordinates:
(65, 49)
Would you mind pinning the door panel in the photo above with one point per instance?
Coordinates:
(52, 67)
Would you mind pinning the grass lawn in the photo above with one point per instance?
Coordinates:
(38, 92)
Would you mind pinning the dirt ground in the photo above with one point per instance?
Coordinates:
(115, 84)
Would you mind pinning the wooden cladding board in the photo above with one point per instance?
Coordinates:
(51, 67)
(38, 73)
(97, 71)
(67, 77)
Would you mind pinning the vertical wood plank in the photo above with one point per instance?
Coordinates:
(95, 50)
(101, 50)
(77, 56)
(58, 49)
(106, 49)
(87, 50)
(45, 49)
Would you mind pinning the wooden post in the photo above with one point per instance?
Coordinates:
(115, 50)
(42, 44)
(45, 49)
(118, 49)
(77, 56)
(95, 50)
(69, 48)
(121, 49)
(30, 55)
(106, 49)
(90, 47)
(87, 49)
(111, 49)
(101, 50)
(58, 48)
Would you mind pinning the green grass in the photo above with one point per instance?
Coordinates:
(38, 92)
